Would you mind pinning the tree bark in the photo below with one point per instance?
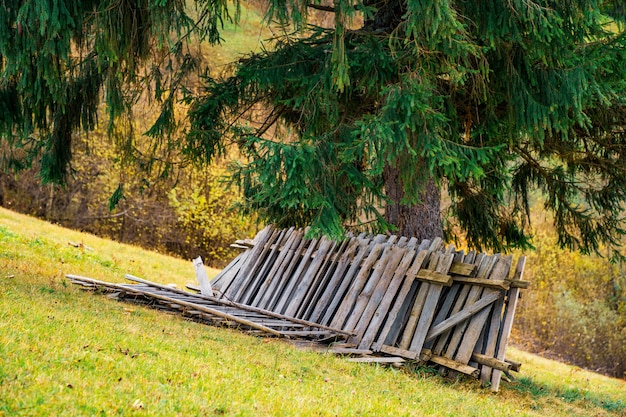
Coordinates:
(422, 220)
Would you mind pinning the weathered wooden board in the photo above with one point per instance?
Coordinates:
(389, 295)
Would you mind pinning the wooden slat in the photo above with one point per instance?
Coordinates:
(462, 315)
(390, 350)
(454, 365)
(341, 290)
(463, 269)
(308, 276)
(380, 303)
(285, 283)
(308, 303)
(213, 312)
(477, 323)
(498, 284)
(430, 305)
(255, 260)
(418, 305)
(377, 359)
(382, 274)
(491, 333)
(357, 285)
(485, 264)
(337, 277)
(238, 305)
(261, 275)
(274, 276)
(507, 323)
(294, 281)
(395, 320)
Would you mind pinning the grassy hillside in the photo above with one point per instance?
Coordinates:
(67, 352)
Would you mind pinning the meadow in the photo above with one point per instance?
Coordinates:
(64, 351)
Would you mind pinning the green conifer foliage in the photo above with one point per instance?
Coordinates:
(491, 99)
(60, 58)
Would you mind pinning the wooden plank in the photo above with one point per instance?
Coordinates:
(518, 283)
(274, 276)
(294, 281)
(456, 366)
(462, 315)
(390, 350)
(377, 359)
(234, 304)
(443, 312)
(255, 260)
(491, 333)
(430, 305)
(345, 283)
(203, 309)
(349, 351)
(318, 283)
(485, 264)
(374, 315)
(507, 323)
(395, 320)
(458, 304)
(357, 285)
(304, 285)
(285, 284)
(434, 277)
(477, 322)
(414, 315)
(420, 300)
(230, 286)
(379, 280)
(490, 362)
(463, 269)
(258, 279)
(202, 277)
(498, 284)
(325, 275)
(337, 276)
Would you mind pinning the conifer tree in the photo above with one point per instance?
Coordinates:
(59, 59)
(369, 120)
(402, 100)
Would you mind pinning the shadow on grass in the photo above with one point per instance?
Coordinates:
(538, 390)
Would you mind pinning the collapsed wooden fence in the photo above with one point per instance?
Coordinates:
(386, 298)
(395, 296)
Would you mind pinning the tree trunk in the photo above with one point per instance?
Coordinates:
(422, 220)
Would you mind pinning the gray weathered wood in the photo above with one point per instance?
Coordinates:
(357, 285)
(304, 285)
(341, 290)
(294, 281)
(382, 274)
(508, 323)
(380, 303)
(274, 277)
(477, 323)
(202, 277)
(337, 277)
(430, 305)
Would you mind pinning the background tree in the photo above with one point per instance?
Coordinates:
(485, 101)
(59, 59)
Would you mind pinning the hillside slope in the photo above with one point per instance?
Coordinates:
(64, 351)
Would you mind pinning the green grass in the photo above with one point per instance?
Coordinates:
(67, 352)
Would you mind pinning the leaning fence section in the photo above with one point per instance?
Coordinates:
(394, 296)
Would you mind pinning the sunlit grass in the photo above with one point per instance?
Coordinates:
(67, 352)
